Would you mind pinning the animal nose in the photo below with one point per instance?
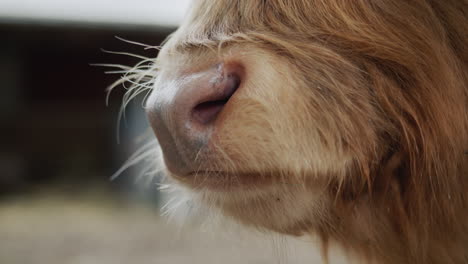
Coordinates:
(183, 110)
(210, 92)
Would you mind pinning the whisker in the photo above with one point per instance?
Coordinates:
(144, 152)
(125, 54)
(146, 46)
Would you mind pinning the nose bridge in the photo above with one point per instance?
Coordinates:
(158, 105)
(160, 116)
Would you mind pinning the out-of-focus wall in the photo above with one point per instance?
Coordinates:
(161, 13)
(56, 130)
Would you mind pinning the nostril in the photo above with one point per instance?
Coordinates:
(207, 111)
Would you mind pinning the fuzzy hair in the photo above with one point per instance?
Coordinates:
(351, 123)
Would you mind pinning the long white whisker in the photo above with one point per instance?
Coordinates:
(146, 46)
(125, 53)
(141, 154)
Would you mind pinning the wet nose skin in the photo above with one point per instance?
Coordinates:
(182, 111)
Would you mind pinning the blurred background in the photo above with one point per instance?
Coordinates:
(58, 144)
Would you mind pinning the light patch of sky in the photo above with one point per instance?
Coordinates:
(166, 13)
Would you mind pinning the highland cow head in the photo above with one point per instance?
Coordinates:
(347, 119)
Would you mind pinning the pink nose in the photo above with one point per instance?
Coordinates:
(183, 111)
(207, 94)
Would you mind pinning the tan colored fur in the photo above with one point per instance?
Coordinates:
(351, 122)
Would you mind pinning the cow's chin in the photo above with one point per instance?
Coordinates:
(266, 200)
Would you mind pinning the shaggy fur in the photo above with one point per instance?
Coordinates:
(351, 122)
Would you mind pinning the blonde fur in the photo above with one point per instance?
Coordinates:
(351, 122)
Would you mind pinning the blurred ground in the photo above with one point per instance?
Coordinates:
(57, 230)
